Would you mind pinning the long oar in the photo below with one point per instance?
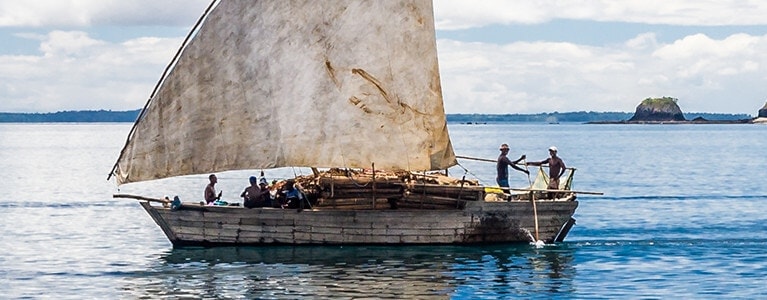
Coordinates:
(165, 201)
(477, 159)
(558, 191)
(532, 198)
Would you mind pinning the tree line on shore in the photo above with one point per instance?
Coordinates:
(106, 116)
(82, 116)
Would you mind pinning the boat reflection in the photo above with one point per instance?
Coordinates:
(356, 272)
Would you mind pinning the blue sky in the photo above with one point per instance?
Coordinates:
(495, 56)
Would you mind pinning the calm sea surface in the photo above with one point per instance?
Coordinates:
(683, 216)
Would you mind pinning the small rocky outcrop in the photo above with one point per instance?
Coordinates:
(763, 112)
(699, 120)
(658, 109)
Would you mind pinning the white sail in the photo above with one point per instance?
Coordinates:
(267, 84)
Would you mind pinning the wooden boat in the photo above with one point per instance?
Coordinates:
(349, 89)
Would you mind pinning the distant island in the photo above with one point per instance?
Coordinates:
(666, 110)
(108, 116)
(572, 117)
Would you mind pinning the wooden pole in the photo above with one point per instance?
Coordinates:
(423, 175)
(458, 201)
(373, 165)
(478, 159)
(558, 191)
(532, 198)
(475, 158)
(423, 195)
(535, 216)
(140, 198)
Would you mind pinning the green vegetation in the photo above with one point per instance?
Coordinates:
(659, 101)
(661, 104)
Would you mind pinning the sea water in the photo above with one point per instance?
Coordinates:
(682, 216)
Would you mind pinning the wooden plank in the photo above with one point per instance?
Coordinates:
(367, 191)
(447, 192)
(353, 201)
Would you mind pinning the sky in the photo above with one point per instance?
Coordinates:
(495, 56)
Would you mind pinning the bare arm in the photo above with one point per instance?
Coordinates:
(538, 163)
(564, 168)
(514, 164)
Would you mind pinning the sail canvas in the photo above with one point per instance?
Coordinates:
(266, 84)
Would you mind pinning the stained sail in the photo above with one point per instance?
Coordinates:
(266, 84)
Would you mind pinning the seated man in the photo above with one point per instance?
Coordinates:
(250, 194)
(264, 195)
(256, 195)
(291, 197)
(210, 190)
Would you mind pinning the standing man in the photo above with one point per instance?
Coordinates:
(210, 190)
(502, 166)
(557, 168)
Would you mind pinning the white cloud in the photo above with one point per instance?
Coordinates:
(75, 71)
(78, 13)
(461, 14)
(64, 44)
(450, 14)
(643, 41)
(527, 77)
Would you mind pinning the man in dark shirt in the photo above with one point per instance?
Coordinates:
(557, 168)
(502, 166)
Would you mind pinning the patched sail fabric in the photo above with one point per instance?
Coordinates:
(267, 84)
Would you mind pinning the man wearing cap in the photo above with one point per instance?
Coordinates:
(264, 195)
(502, 166)
(557, 168)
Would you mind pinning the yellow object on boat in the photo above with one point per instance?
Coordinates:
(493, 189)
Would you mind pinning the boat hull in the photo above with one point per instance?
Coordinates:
(476, 222)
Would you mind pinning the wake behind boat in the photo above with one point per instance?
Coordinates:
(350, 89)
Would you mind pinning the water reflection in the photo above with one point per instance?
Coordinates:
(357, 272)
